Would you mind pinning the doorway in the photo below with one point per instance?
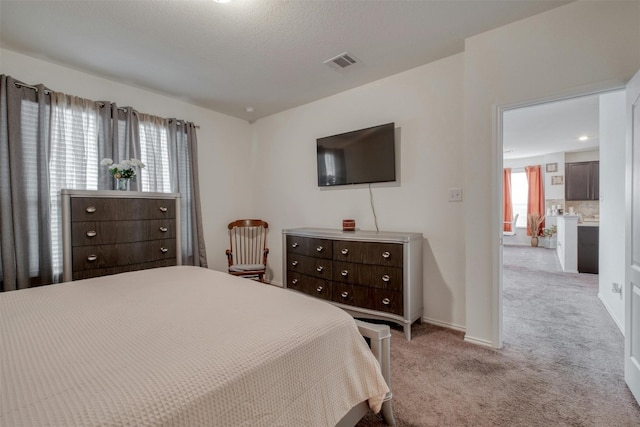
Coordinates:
(552, 134)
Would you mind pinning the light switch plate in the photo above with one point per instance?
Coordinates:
(455, 194)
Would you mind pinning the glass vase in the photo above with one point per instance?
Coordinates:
(122, 184)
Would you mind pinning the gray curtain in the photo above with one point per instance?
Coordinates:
(183, 149)
(118, 139)
(29, 131)
(25, 223)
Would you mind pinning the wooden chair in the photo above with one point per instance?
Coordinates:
(248, 251)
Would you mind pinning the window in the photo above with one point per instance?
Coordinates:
(519, 197)
(74, 160)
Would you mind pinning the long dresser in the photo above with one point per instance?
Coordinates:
(372, 275)
(108, 232)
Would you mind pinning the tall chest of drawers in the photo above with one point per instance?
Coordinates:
(108, 232)
(371, 275)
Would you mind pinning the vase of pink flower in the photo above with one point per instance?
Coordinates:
(123, 171)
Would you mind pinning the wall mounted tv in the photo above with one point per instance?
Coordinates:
(358, 157)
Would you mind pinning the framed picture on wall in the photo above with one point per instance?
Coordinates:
(552, 167)
(557, 179)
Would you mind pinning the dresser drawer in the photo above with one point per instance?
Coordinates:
(106, 232)
(317, 267)
(102, 256)
(120, 209)
(309, 285)
(97, 272)
(343, 293)
(318, 248)
(374, 276)
(387, 301)
(389, 254)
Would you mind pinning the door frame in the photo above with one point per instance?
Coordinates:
(498, 120)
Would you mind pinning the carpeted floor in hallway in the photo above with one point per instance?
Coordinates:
(561, 365)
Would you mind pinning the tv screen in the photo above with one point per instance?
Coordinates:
(358, 157)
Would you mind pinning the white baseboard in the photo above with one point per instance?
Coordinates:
(479, 341)
(444, 324)
(610, 311)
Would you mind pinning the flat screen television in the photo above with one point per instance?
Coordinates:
(358, 157)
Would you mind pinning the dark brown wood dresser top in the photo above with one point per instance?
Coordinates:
(108, 232)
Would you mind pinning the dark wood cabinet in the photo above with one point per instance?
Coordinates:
(588, 249)
(582, 181)
(108, 232)
(372, 275)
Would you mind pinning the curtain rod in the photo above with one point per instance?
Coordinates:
(102, 104)
(18, 84)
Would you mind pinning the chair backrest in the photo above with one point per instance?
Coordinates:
(248, 241)
(513, 223)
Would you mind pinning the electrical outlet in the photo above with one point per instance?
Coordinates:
(455, 194)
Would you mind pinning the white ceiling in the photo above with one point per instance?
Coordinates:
(552, 127)
(265, 54)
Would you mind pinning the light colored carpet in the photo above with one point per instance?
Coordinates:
(562, 363)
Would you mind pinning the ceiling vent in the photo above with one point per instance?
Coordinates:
(341, 61)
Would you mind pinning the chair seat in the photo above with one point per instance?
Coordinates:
(247, 267)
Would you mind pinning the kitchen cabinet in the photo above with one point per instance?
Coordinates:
(582, 181)
(588, 246)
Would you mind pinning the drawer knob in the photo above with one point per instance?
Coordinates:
(164, 250)
(294, 245)
(344, 294)
(294, 281)
(386, 255)
(386, 278)
(344, 251)
(91, 209)
(91, 233)
(319, 269)
(163, 229)
(319, 289)
(294, 263)
(345, 273)
(92, 258)
(319, 249)
(386, 301)
(163, 208)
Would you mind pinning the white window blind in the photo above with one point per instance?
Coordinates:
(74, 161)
(29, 130)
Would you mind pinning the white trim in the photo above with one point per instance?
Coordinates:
(443, 324)
(498, 220)
(498, 228)
(479, 341)
(611, 313)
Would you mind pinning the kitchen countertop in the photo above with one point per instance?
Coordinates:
(589, 224)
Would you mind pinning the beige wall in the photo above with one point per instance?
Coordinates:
(426, 105)
(581, 47)
(222, 140)
(446, 115)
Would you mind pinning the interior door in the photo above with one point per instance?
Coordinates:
(632, 288)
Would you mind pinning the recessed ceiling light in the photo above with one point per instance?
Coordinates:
(222, 1)
(583, 138)
(249, 109)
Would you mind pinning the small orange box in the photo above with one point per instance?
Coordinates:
(348, 225)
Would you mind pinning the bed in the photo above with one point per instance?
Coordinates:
(180, 346)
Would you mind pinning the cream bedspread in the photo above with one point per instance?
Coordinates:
(179, 346)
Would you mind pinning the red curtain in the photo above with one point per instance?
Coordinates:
(507, 209)
(535, 202)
